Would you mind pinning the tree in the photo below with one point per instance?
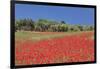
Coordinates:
(63, 22)
(44, 25)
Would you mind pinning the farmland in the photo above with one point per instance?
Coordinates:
(53, 47)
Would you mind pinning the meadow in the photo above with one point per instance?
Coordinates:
(36, 47)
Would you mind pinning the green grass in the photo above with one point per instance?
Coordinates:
(36, 35)
(28, 35)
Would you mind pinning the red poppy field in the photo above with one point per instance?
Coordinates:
(53, 47)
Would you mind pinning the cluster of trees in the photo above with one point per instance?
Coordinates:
(48, 25)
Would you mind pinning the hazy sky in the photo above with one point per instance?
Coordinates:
(71, 15)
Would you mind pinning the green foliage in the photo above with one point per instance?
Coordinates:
(24, 24)
(44, 25)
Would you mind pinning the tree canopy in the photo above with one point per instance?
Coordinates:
(44, 25)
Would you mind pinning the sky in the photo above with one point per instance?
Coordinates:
(71, 15)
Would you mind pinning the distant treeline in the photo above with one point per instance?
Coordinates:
(44, 25)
